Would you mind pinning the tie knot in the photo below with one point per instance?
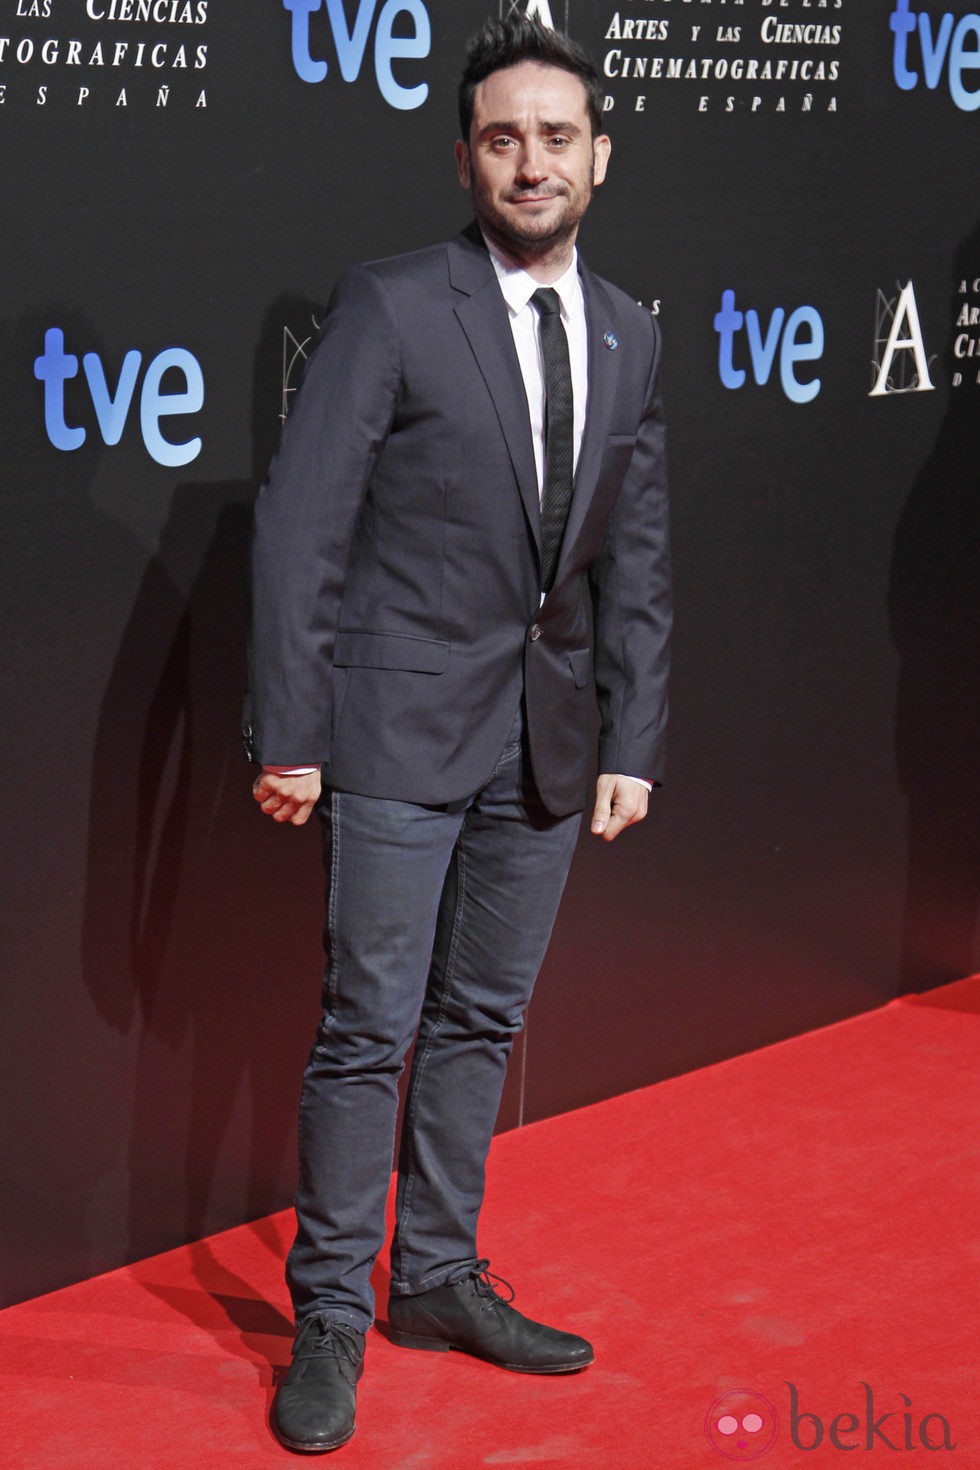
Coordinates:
(547, 301)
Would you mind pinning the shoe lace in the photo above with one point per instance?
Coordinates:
(321, 1336)
(483, 1280)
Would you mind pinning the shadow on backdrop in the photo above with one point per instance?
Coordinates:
(183, 948)
(934, 607)
(65, 569)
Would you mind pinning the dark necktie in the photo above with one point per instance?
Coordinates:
(558, 440)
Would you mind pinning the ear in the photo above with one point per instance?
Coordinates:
(601, 148)
(463, 163)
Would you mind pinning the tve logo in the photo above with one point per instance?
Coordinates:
(955, 44)
(350, 44)
(797, 338)
(55, 366)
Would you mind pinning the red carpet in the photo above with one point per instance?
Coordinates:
(799, 1216)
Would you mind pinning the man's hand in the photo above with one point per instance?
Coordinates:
(619, 802)
(287, 798)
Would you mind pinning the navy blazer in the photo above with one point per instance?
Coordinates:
(395, 607)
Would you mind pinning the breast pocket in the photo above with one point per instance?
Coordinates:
(619, 450)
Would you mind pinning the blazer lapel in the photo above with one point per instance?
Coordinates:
(603, 381)
(482, 314)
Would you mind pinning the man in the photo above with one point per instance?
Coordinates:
(472, 463)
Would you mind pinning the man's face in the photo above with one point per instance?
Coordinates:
(531, 160)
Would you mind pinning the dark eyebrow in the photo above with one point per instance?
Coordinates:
(546, 127)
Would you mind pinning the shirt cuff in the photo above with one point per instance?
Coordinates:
(290, 770)
(647, 784)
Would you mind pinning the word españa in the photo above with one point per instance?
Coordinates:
(932, 1433)
(947, 44)
(55, 367)
(351, 43)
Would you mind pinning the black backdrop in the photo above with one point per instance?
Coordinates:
(814, 851)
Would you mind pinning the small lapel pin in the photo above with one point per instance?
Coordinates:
(611, 341)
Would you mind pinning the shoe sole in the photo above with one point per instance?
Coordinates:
(319, 1448)
(439, 1345)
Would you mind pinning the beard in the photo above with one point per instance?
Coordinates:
(532, 236)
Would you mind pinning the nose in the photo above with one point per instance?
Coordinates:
(533, 163)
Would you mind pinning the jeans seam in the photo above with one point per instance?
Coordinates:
(444, 1272)
(419, 1066)
(330, 985)
(508, 753)
(332, 900)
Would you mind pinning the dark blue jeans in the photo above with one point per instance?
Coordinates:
(437, 919)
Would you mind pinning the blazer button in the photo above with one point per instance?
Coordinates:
(535, 633)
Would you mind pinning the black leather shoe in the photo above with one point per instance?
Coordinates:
(314, 1408)
(472, 1317)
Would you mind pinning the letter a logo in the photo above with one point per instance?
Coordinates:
(540, 10)
(534, 10)
(897, 331)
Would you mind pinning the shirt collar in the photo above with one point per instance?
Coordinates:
(517, 287)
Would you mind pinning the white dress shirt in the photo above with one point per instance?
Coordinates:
(518, 288)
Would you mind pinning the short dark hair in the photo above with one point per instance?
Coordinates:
(504, 43)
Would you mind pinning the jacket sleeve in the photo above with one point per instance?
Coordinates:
(630, 583)
(305, 516)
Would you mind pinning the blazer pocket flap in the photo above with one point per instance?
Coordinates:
(390, 651)
(618, 450)
(581, 662)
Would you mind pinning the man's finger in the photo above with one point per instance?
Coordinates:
(287, 798)
(619, 803)
(301, 813)
(620, 817)
(603, 810)
(292, 811)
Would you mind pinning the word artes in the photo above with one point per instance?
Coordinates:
(351, 43)
(955, 45)
(799, 340)
(55, 367)
(893, 1430)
